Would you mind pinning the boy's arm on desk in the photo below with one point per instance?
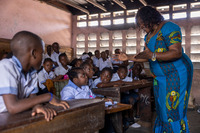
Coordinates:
(15, 105)
(110, 84)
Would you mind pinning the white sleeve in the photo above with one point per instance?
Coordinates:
(67, 93)
(41, 79)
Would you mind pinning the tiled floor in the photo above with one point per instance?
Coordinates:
(194, 124)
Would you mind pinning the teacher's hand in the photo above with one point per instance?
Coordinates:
(146, 54)
(122, 57)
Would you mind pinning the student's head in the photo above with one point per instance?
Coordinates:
(28, 48)
(122, 72)
(137, 69)
(78, 63)
(107, 53)
(88, 68)
(48, 64)
(117, 51)
(90, 54)
(78, 76)
(63, 59)
(89, 60)
(106, 75)
(147, 17)
(97, 53)
(49, 49)
(55, 47)
(103, 55)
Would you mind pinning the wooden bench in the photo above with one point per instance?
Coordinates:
(84, 116)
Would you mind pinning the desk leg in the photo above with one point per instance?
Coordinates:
(116, 119)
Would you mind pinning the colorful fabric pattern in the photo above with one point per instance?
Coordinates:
(172, 82)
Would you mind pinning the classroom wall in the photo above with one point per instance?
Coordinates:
(50, 23)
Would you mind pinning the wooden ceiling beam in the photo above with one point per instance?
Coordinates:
(74, 5)
(143, 2)
(120, 4)
(97, 5)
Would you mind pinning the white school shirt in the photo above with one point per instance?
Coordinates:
(72, 91)
(60, 70)
(90, 83)
(55, 58)
(13, 81)
(96, 82)
(103, 64)
(116, 77)
(43, 76)
(96, 61)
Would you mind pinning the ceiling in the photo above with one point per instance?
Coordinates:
(79, 7)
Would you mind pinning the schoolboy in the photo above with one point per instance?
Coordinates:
(19, 78)
(88, 69)
(62, 70)
(105, 78)
(44, 74)
(104, 62)
(55, 54)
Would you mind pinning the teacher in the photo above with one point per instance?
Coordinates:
(171, 68)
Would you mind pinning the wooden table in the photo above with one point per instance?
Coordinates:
(84, 116)
(144, 93)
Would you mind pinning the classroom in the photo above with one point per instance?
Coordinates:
(99, 66)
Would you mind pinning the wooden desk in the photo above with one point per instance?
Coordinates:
(115, 114)
(84, 116)
(144, 93)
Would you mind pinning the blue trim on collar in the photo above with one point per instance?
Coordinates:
(18, 63)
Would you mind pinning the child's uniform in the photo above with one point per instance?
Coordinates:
(115, 67)
(60, 70)
(13, 81)
(72, 91)
(96, 61)
(96, 82)
(90, 83)
(103, 64)
(43, 76)
(55, 57)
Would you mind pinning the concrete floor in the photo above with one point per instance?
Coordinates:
(193, 118)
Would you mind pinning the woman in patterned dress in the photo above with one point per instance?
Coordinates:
(171, 68)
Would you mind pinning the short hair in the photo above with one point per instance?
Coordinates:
(73, 73)
(62, 55)
(47, 60)
(90, 54)
(84, 64)
(149, 15)
(122, 67)
(55, 43)
(107, 69)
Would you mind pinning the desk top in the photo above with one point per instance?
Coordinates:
(8, 121)
(117, 108)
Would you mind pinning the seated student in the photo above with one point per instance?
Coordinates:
(105, 78)
(77, 87)
(128, 98)
(44, 74)
(19, 78)
(78, 63)
(88, 69)
(55, 54)
(104, 62)
(62, 70)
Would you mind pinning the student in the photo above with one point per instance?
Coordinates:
(44, 74)
(105, 78)
(96, 58)
(77, 87)
(64, 67)
(88, 69)
(78, 63)
(104, 62)
(128, 97)
(55, 54)
(19, 78)
(48, 53)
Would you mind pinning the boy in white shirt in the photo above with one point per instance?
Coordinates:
(62, 70)
(19, 79)
(55, 54)
(104, 62)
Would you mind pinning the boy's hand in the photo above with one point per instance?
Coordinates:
(48, 112)
(108, 99)
(55, 101)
